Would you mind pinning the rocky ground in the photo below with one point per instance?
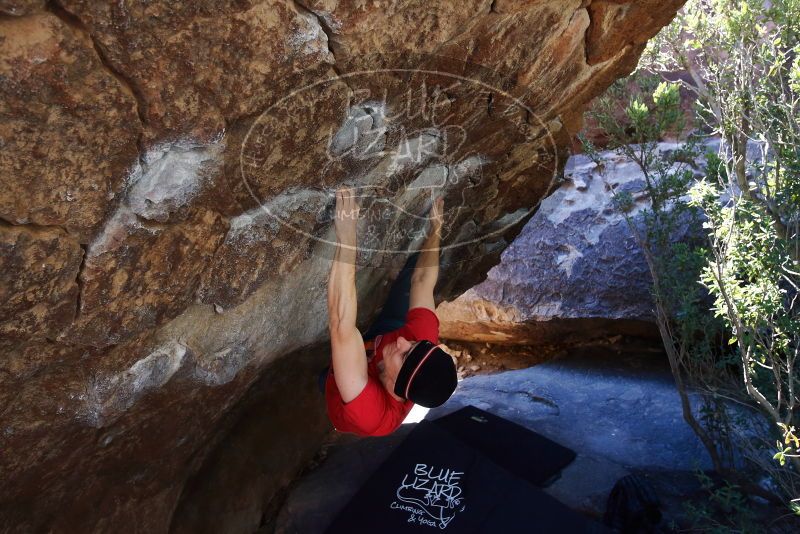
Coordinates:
(616, 408)
(473, 358)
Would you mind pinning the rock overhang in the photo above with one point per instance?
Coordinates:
(122, 167)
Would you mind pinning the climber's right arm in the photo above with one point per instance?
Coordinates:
(347, 347)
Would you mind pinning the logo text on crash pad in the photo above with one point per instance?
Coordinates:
(431, 495)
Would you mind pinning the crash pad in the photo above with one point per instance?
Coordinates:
(523, 452)
(433, 482)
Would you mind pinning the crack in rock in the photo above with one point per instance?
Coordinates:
(325, 27)
(533, 398)
(74, 21)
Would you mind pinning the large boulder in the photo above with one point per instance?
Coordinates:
(575, 273)
(166, 180)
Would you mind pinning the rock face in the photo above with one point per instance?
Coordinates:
(166, 180)
(575, 272)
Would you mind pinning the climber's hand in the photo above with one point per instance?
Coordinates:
(437, 214)
(346, 216)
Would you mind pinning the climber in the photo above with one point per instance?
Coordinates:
(374, 381)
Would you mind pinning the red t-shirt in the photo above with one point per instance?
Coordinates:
(374, 412)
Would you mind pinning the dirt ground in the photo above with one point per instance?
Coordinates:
(484, 358)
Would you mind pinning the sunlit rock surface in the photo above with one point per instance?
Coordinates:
(144, 292)
(575, 272)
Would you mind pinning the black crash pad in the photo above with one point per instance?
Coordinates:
(435, 482)
(524, 453)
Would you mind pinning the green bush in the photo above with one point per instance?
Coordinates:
(727, 309)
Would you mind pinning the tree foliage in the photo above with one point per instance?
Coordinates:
(741, 59)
